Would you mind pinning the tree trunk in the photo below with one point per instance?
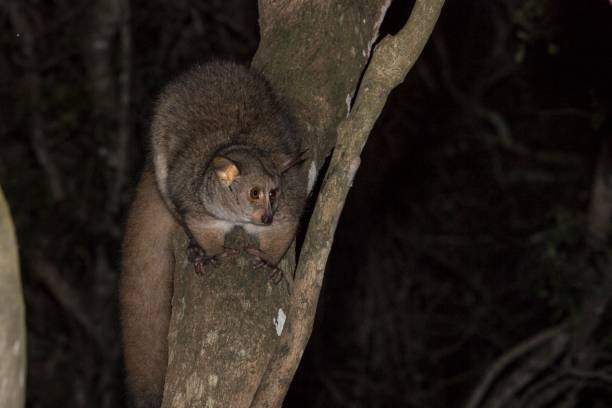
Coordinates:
(12, 316)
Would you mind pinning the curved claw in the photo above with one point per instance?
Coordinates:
(229, 251)
(197, 256)
(275, 274)
(198, 268)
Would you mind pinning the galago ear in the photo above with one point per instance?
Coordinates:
(288, 162)
(225, 169)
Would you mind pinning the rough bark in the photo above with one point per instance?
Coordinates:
(313, 55)
(12, 316)
(224, 325)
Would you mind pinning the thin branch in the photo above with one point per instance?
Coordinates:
(527, 373)
(600, 209)
(393, 57)
(509, 358)
(598, 376)
(548, 390)
(471, 101)
(66, 296)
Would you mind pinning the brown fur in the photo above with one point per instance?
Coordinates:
(218, 110)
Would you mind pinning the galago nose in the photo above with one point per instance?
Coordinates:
(266, 219)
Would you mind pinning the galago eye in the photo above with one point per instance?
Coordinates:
(272, 195)
(254, 193)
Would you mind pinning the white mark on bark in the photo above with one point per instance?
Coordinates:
(323, 253)
(312, 176)
(246, 305)
(353, 170)
(341, 18)
(171, 355)
(377, 23)
(353, 51)
(383, 12)
(210, 403)
(213, 380)
(279, 322)
(242, 353)
(181, 311)
(348, 99)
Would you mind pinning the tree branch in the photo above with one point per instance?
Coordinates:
(557, 340)
(391, 61)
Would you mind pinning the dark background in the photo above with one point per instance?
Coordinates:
(466, 231)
